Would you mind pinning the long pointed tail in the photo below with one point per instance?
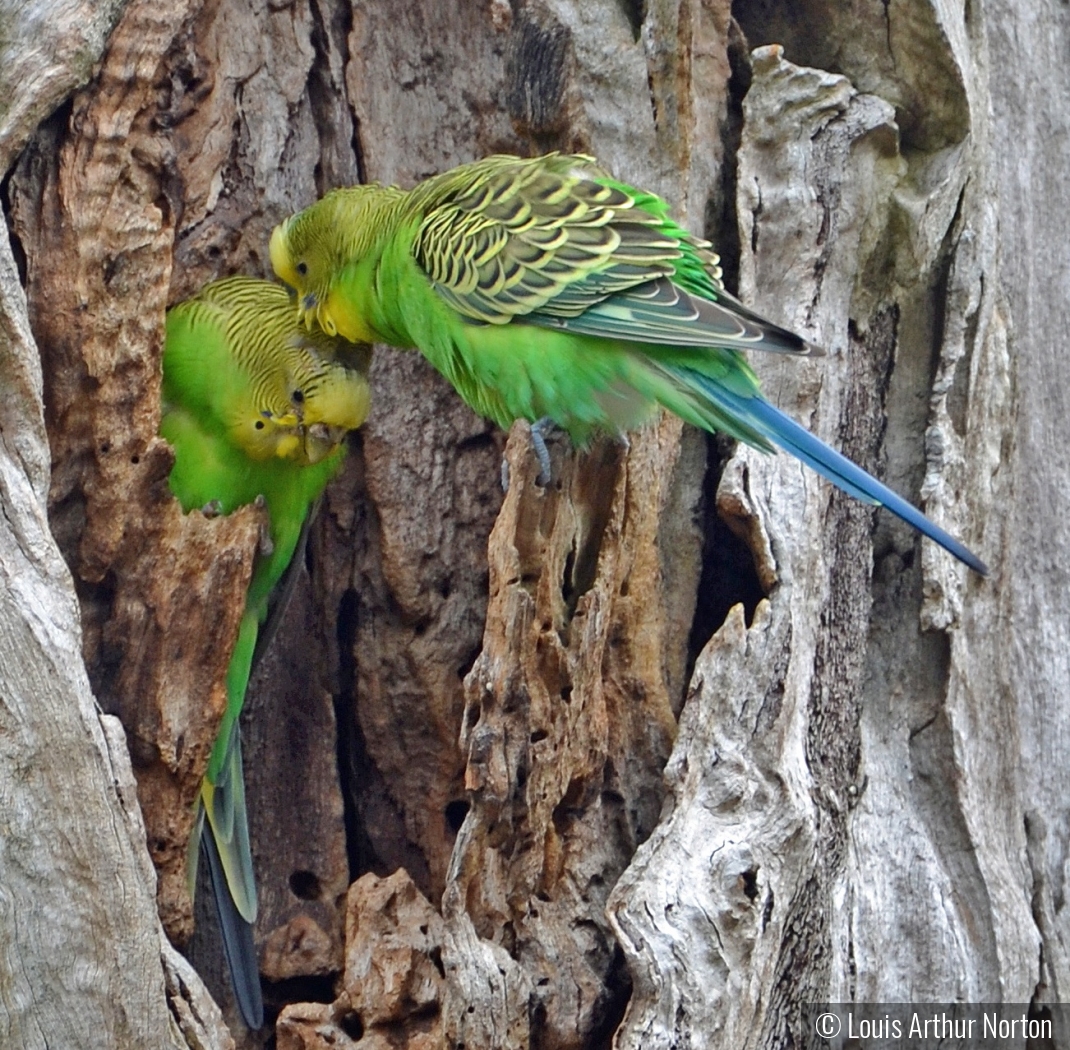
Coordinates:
(784, 432)
(238, 942)
(222, 828)
(228, 824)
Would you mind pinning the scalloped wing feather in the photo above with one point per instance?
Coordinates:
(556, 242)
(511, 237)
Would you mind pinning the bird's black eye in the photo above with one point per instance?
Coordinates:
(302, 269)
(299, 397)
(259, 424)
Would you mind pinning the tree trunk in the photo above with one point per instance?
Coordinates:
(652, 756)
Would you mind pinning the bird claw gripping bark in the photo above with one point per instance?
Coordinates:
(540, 430)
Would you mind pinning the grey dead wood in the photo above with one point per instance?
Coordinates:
(845, 784)
(1030, 661)
(83, 961)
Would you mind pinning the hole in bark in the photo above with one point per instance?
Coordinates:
(352, 1025)
(566, 583)
(539, 735)
(135, 459)
(636, 12)
(305, 886)
(595, 482)
(767, 911)
(305, 989)
(112, 265)
(609, 1012)
(435, 955)
(728, 573)
(5, 202)
(566, 693)
(469, 661)
(570, 806)
(721, 221)
(509, 938)
(749, 879)
(359, 780)
(105, 448)
(456, 811)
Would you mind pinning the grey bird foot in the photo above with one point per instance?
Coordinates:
(212, 509)
(539, 432)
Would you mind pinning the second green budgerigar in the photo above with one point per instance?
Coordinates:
(544, 288)
(255, 406)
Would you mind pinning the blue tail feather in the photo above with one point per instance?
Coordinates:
(783, 431)
(238, 944)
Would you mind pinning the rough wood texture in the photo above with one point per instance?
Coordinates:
(592, 788)
(1030, 662)
(82, 962)
(93, 202)
(827, 783)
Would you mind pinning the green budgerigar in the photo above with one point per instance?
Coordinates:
(546, 289)
(256, 407)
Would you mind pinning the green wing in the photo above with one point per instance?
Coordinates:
(556, 242)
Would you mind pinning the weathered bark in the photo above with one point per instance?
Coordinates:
(83, 962)
(650, 756)
(846, 718)
(1030, 663)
